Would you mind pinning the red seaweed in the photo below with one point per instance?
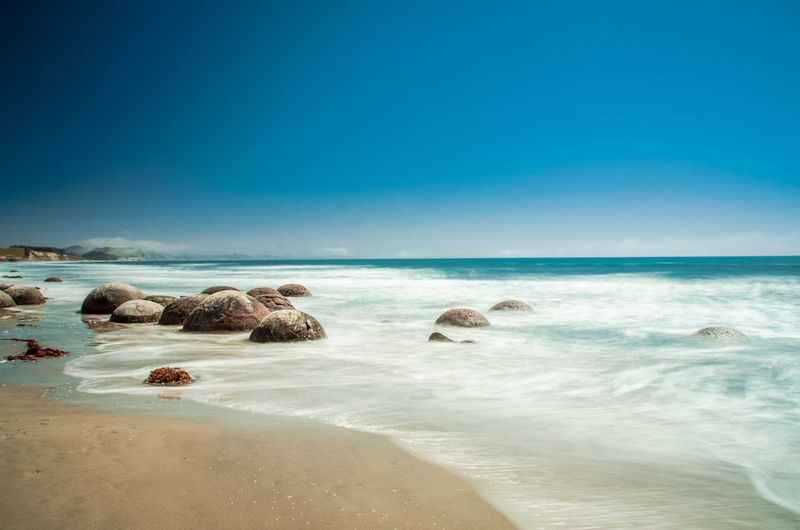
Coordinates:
(35, 351)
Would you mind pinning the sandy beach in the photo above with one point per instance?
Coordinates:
(70, 467)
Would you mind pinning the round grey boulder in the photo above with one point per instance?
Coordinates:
(721, 333)
(54, 279)
(137, 312)
(226, 311)
(294, 289)
(105, 299)
(176, 312)
(288, 325)
(161, 299)
(6, 300)
(510, 305)
(271, 298)
(24, 295)
(218, 289)
(462, 317)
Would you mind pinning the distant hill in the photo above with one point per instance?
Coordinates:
(122, 253)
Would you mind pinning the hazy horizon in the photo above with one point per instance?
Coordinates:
(304, 130)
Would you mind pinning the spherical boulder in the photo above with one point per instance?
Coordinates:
(439, 337)
(161, 299)
(288, 325)
(721, 333)
(175, 313)
(218, 289)
(24, 295)
(105, 299)
(137, 312)
(226, 311)
(294, 289)
(271, 298)
(462, 317)
(168, 376)
(6, 300)
(54, 279)
(510, 305)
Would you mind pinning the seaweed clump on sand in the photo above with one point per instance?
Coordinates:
(35, 351)
(168, 376)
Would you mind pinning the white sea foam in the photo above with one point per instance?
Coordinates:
(596, 410)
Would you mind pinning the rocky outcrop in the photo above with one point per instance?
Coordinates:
(226, 311)
(462, 317)
(54, 279)
(288, 325)
(271, 298)
(24, 295)
(510, 305)
(6, 300)
(175, 313)
(105, 299)
(721, 333)
(137, 312)
(219, 288)
(294, 289)
(161, 299)
(168, 376)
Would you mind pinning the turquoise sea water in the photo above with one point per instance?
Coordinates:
(595, 410)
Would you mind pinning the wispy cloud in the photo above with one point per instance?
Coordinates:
(139, 244)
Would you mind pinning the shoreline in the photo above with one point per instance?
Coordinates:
(73, 467)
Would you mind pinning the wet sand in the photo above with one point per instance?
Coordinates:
(69, 467)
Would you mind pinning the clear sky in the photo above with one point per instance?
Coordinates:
(403, 129)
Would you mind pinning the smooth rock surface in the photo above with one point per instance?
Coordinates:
(6, 300)
(510, 305)
(288, 325)
(462, 317)
(226, 311)
(162, 299)
(25, 295)
(105, 299)
(294, 289)
(137, 312)
(271, 298)
(218, 289)
(175, 313)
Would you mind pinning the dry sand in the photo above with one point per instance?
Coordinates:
(67, 467)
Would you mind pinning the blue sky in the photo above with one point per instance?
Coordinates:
(380, 129)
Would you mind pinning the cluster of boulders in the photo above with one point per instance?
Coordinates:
(13, 295)
(264, 311)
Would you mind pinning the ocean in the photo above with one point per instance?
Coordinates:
(597, 409)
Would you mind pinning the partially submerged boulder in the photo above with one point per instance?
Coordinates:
(226, 311)
(175, 313)
(219, 288)
(721, 333)
(168, 376)
(271, 298)
(6, 300)
(441, 337)
(13, 276)
(161, 299)
(105, 299)
(294, 289)
(288, 325)
(462, 317)
(54, 279)
(137, 312)
(510, 305)
(25, 295)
